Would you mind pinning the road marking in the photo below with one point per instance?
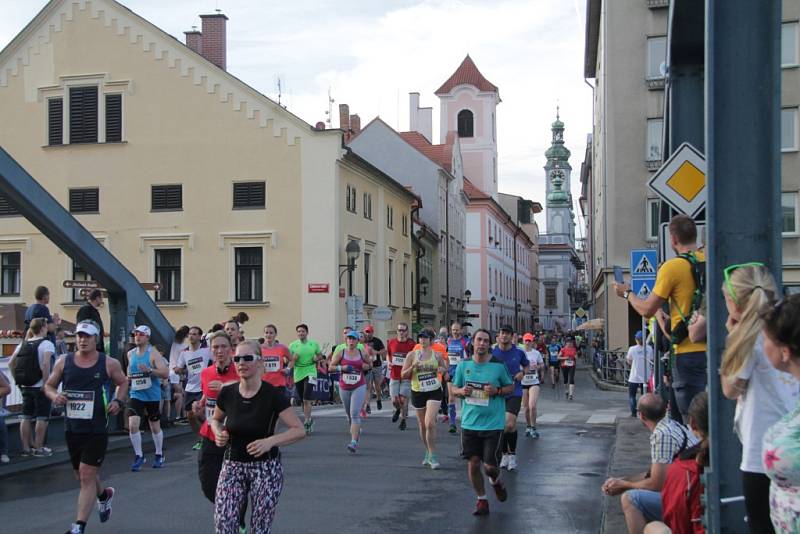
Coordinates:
(551, 417)
(602, 419)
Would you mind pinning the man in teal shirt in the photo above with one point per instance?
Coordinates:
(482, 382)
(306, 353)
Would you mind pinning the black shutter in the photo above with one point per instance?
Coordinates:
(6, 208)
(84, 200)
(113, 118)
(167, 197)
(249, 195)
(55, 121)
(83, 115)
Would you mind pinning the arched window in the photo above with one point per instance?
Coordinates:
(465, 123)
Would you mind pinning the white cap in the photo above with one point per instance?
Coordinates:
(143, 329)
(86, 328)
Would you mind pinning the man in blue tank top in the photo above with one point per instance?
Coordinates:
(146, 369)
(83, 376)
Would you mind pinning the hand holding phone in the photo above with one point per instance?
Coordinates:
(618, 275)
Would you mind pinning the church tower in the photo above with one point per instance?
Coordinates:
(560, 217)
(468, 104)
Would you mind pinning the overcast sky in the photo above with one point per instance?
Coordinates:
(372, 53)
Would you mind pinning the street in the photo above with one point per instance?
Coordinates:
(555, 490)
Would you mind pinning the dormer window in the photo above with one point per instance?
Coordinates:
(465, 123)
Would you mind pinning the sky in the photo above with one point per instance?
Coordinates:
(371, 53)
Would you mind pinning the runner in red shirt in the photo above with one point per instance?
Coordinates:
(399, 389)
(568, 357)
(276, 358)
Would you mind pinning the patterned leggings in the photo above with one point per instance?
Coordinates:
(262, 481)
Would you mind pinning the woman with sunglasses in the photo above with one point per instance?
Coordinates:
(425, 367)
(351, 363)
(781, 446)
(762, 393)
(244, 422)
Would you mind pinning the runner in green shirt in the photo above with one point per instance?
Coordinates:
(305, 353)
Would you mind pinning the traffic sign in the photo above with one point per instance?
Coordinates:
(644, 263)
(642, 287)
(681, 180)
(151, 286)
(666, 252)
(382, 313)
(580, 313)
(319, 288)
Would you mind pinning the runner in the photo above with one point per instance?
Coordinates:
(244, 422)
(518, 365)
(569, 359)
(191, 363)
(399, 389)
(276, 360)
(352, 364)
(374, 377)
(424, 368)
(83, 376)
(457, 351)
(305, 353)
(234, 331)
(530, 385)
(145, 368)
(482, 382)
(553, 350)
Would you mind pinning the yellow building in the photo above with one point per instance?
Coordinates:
(190, 177)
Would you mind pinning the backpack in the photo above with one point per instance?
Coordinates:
(26, 364)
(698, 270)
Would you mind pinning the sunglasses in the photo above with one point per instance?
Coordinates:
(727, 274)
(402, 329)
(245, 358)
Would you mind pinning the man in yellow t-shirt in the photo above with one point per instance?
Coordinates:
(675, 284)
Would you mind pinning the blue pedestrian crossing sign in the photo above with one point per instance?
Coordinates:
(642, 287)
(644, 263)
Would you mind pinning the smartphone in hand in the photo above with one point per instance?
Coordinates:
(618, 275)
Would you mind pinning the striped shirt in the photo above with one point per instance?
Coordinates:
(668, 439)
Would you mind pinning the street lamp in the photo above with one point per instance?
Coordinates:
(492, 301)
(353, 251)
(423, 285)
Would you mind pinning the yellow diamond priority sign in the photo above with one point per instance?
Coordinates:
(681, 181)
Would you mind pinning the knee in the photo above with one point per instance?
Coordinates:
(87, 475)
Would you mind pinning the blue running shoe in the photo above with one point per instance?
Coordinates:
(158, 461)
(138, 462)
(104, 507)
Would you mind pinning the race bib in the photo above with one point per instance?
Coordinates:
(398, 359)
(272, 364)
(194, 366)
(454, 358)
(428, 381)
(478, 397)
(351, 379)
(211, 404)
(80, 404)
(140, 381)
(312, 380)
(569, 363)
(530, 379)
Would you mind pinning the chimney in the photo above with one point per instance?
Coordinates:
(213, 40)
(420, 119)
(344, 117)
(355, 124)
(194, 40)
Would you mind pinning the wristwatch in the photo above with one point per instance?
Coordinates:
(626, 293)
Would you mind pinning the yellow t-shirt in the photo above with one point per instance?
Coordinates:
(675, 284)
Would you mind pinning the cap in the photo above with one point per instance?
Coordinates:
(143, 329)
(86, 328)
(368, 329)
(638, 334)
(528, 337)
(353, 334)
(426, 333)
(507, 328)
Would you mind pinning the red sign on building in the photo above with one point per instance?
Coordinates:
(319, 288)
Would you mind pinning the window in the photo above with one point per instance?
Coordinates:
(789, 212)
(84, 200)
(788, 129)
(6, 208)
(465, 123)
(550, 300)
(249, 195)
(391, 280)
(366, 276)
(55, 121)
(168, 274)
(78, 273)
(167, 197)
(113, 118)
(83, 114)
(350, 201)
(249, 274)
(789, 44)
(367, 206)
(9, 274)
(404, 222)
(405, 284)
(653, 148)
(653, 219)
(656, 56)
(390, 217)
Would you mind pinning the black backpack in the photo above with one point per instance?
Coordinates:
(26, 364)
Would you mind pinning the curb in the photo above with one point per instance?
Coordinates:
(605, 386)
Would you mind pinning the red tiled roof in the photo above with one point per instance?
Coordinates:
(467, 73)
(472, 192)
(439, 154)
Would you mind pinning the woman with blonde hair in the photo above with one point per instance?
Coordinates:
(762, 393)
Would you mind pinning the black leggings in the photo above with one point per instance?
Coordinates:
(569, 374)
(756, 502)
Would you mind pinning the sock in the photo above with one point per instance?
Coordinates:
(482, 498)
(136, 440)
(511, 440)
(503, 442)
(102, 496)
(158, 439)
(452, 412)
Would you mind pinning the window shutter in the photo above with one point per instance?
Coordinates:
(113, 118)
(249, 195)
(55, 121)
(6, 208)
(84, 200)
(167, 197)
(83, 115)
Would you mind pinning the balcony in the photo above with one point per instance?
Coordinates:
(656, 4)
(653, 165)
(654, 83)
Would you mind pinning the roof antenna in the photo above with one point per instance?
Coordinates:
(329, 113)
(279, 90)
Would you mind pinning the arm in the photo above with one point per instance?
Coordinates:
(221, 435)
(658, 472)
(45, 367)
(180, 365)
(114, 370)
(732, 387)
(51, 386)
(159, 368)
(5, 387)
(408, 365)
(294, 432)
(647, 308)
(697, 328)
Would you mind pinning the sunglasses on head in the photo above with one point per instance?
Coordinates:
(245, 358)
(727, 274)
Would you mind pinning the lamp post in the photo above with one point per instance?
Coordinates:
(422, 289)
(353, 251)
(467, 295)
(492, 302)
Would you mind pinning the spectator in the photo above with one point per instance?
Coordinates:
(781, 447)
(677, 283)
(680, 496)
(175, 386)
(91, 311)
(762, 393)
(61, 342)
(639, 369)
(40, 309)
(641, 497)
(5, 389)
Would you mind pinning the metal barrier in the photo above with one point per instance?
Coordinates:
(611, 367)
(15, 397)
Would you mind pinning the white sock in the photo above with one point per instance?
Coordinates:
(158, 439)
(136, 440)
(494, 482)
(482, 497)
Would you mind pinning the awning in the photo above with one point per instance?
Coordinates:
(593, 324)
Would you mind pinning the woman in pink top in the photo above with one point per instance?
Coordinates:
(351, 363)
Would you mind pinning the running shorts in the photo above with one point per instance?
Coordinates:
(484, 444)
(189, 398)
(138, 408)
(513, 405)
(419, 399)
(89, 449)
(400, 388)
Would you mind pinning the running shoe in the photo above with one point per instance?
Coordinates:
(380, 404)
(242, 530)
(434, 462)
(158, 461)
(352, 446)
(403, 424)
(396, 415)
(504, 462)
(362, 414)
(445, 418)
(197, 446)
(481, 508)
(25, 453)
(306, 427)
(181, 422)
(369, 410)
(104, 507)
(500, 491)
(427, 461)
(4, 459)
(138, 462)
(534, 433)
(44, 452)
(453, 429)
(527, 431)
(75, 528)
(512, 462)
